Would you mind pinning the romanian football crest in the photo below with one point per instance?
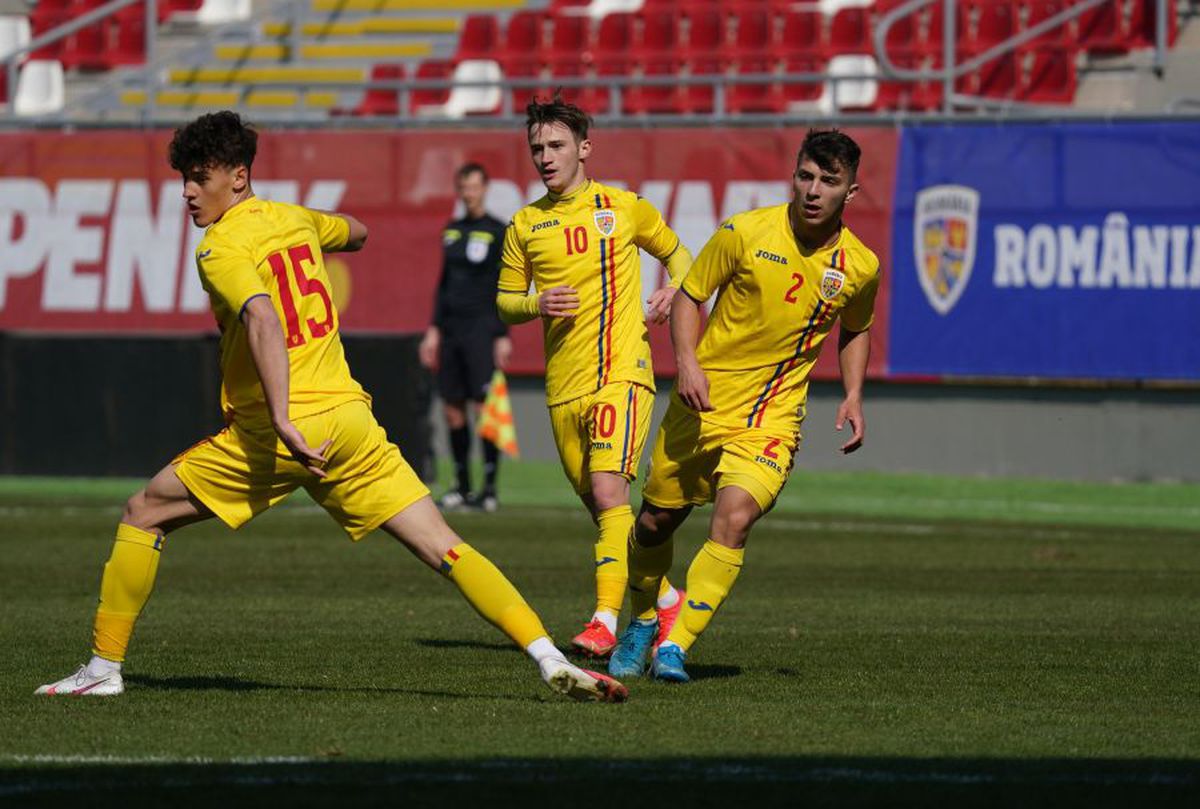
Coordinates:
(945, 224)
(478, 244)
(831, 284)
(606, 222)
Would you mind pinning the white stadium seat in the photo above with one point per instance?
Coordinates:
(464, 101)
(40, 88)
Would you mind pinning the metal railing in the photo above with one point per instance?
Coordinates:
(150, 79)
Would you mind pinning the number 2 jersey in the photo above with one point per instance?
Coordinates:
(776, 304)
(259, 247)
(589, 241)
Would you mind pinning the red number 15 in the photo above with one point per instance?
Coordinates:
(307, 286)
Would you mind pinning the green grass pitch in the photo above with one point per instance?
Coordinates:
(893, 640)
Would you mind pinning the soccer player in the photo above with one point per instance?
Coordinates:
(294, 417)
(578, 246)
(782, 275)
(467, 340)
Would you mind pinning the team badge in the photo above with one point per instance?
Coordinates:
(606, 222)
(945, 224)
(831, 284)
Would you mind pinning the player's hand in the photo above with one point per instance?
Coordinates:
(850, 410)
(558, 302)
(660, 304)
(313, 460)
(692, 386)
(427, 351)
(501, 351)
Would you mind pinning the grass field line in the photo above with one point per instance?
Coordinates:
(327, 773)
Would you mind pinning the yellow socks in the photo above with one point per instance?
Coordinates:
(124, 589)
(491, 594)
(612, 559)
(709, 580)
(647, 576)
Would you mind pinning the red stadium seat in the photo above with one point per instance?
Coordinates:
(996, 78)
(88, 48)
(588, 98)
(850, 32)
(933, 41)
(613, 68)
(1101, 29)
(996, 21)
(1041, 10)
(699, 98)
(754, 33)
(428, 70)
(902, 39)
(522, 67)
(615, 35)
(130, 47)
(806, 92)
(660, 33)
(656, 99)
(43, 20)
(764, 98)
(706, 35)
(569, 37)
(479, 38)
(377, 100)
(523, 36)
(1052, 77)
(803, 33)
(1143, 17)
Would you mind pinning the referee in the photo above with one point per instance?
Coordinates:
(467, 340)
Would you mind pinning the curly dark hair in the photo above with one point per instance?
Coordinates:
(217, 139)
(831, 149)
(557, 111)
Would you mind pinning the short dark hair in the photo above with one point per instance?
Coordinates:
(218, 139)
(830, 149)
(557, 111)
(467, 169)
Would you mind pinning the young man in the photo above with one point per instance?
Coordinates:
(578, 246)
(467, 341)
(782, 276)
(294, 417)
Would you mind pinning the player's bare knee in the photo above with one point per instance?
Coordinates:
(136, 511)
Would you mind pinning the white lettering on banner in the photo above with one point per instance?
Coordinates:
(1114, 255)
(23, 201)
(144, 246)
(44, 230)
(64, 288)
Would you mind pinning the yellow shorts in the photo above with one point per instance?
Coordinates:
(239, 474)
(693, 458)
(604, 431)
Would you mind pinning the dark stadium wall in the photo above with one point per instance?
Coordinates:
(98, 406)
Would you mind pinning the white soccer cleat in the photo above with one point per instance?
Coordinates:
(580, 684)
(81, 683)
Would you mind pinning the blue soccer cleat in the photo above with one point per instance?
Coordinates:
(633, 649)
(667, 664)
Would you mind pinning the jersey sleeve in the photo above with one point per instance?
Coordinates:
(516, 271)
(716, 263)
(651, 232)
(333, 231)
(859, 312)
(227, 272)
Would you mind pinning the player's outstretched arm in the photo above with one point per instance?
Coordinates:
(854, 349)
(357, 237)
(264, 334)
(691, 383)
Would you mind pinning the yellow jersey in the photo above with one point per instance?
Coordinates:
(268, 248)
(589, 241)
(776, 304)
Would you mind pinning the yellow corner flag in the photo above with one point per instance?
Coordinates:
(496, 419)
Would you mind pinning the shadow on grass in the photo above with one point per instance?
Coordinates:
(236, 684)
(450, 643)
(732, 782)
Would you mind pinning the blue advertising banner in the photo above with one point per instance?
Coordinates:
(1064, 251)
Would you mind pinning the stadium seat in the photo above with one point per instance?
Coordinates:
(995, 21)
(655, 99)
(850, 32)
(615, 35)
(430, 97)
(932, 42)
(1143, 19)
(379, 100)
(1052, 78)
(87, 48)
(996, 78)
(660, 33)
(15, 33)
(216, 12)
(611, 69)
(480, 35)
(130, 42)
(523, 35)
(569, 37)
(599, 9)
(902, 37)
(522, 68)
(466, 100)
(1101, 29)
(1042, 10)
(706, 35)
(754, 35)
(852, 94)
(589, 97)
(802, 92)
(40, 88)
(701, 98)
(803, 33)
(766, 97)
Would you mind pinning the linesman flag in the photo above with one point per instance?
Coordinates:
(496, 418)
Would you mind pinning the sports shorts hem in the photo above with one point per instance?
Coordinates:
(193, 489)
(371, 525)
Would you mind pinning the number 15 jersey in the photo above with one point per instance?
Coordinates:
(259, 247)
(589, 241)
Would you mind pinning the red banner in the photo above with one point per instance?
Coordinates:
(94, 237)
